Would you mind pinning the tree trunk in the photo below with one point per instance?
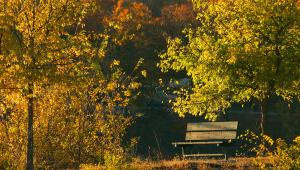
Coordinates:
(263, 119)
(30, 110)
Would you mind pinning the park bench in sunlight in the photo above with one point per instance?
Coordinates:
(220, 134)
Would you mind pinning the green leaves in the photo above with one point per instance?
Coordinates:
(243, 50)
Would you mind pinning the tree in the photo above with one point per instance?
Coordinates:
(244, 50)
(127, 21)
(176, 17)
(76, 123)
(84, 122)
(42, 43)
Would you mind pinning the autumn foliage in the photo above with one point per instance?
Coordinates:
(75, 75)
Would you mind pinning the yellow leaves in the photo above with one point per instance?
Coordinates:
(115, 63)
(253, 143)
(40, 46)
(127, 93)
(297, 139)
(248, 48)
(285, 156)
(232, 60)
(74, 99)
(211, 116)
(144, 73)
(111, 86)
(268, 139)
(135, 85)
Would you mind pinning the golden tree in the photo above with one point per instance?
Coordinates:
(42, 42)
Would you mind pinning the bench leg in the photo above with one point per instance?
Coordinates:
(225, 153)
(182, 151)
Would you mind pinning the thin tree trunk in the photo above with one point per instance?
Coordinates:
(30, 129)
(30, 97)
(263, 119)
(80, 142)
(1, 43)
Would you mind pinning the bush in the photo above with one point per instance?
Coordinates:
(286, 156)
(255, 144)
(280, 154)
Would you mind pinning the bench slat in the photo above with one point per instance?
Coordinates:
(211, 126)
(203, 155)
(196, 143)
(213, 135)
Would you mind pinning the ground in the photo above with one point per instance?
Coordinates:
(241, 163)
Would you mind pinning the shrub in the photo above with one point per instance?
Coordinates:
(280, 154)
(255, 144)
(286, 156)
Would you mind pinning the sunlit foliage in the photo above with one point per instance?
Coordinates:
(52, 68)
(127, 21)
(243, 51)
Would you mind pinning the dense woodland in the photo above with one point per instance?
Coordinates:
(105, 81)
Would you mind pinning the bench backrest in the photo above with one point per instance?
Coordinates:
(211, 131)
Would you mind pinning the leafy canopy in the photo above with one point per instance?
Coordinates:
(243, 50)
(42, 41)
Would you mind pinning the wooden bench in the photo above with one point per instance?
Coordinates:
(209, 133)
